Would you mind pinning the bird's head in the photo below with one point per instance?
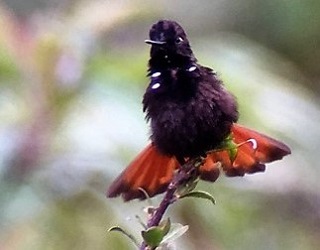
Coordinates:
(169, 41)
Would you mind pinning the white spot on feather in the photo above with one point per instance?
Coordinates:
(192, 68)
(156, 85)
(156, 74)
(254, 143)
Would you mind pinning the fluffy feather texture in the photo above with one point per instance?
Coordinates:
(191, 113)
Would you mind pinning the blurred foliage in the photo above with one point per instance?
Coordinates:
(72, 74)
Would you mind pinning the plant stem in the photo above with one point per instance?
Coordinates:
(184, 174)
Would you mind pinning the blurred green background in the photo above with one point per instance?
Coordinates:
(72, 76)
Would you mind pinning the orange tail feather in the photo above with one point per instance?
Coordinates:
(152, 171)
(251, 156)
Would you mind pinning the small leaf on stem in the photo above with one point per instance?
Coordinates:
(231, 147)
(165, 225)
(175, 232)
(120, 230)
(153, 236)
(200, 194)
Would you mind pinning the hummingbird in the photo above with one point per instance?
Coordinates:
(191, 114)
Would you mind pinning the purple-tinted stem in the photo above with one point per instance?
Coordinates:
(180, 177)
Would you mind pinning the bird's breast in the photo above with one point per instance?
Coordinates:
(187, 112)
(187, 129)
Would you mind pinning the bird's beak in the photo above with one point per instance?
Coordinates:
(153, 42)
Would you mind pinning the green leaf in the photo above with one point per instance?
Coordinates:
(230, 146)
(176, 231)
(153, 236)
(122, 231)
(232, 152)
(200, 194)
(165, 226)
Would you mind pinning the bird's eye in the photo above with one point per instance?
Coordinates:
(179, 40)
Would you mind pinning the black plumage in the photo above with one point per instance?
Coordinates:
(191, 114)
(189, 109)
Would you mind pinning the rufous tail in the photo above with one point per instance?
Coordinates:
(152, 171)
